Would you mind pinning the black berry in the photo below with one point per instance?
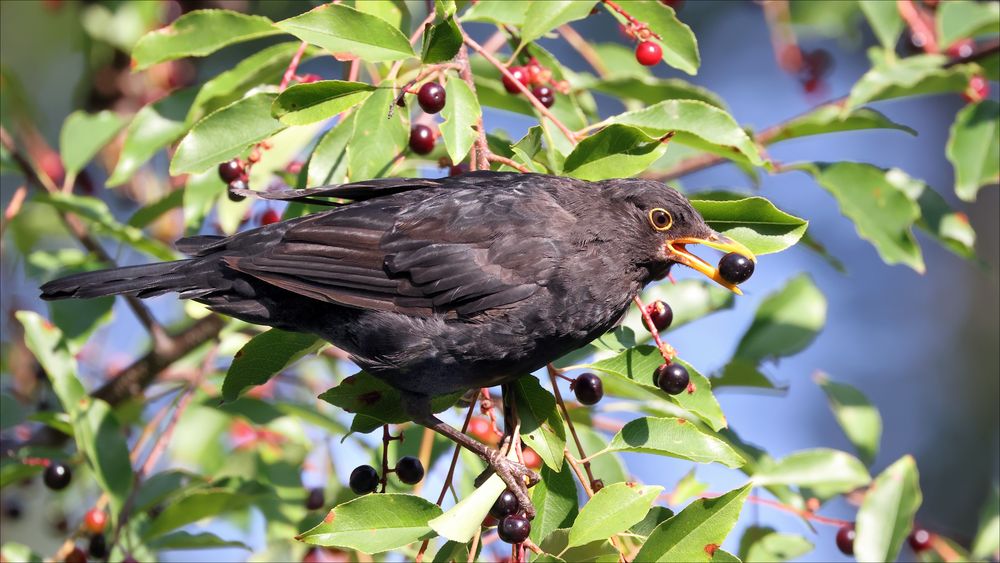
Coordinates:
(588, 388)
(57, 475)
(505, 505)
(920, 540)
(421, 139)
(845, 539)
(735, 268)
(672, 378)
(364, 480)
(231, 170)
(514, 529)
(315, 499)
(519, 74)
(431, 97)
(661, 314)
(12, 509)
(98, 548)
(544, 95)
(236, 185)
(409, 470)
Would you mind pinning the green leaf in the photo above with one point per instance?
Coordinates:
(100, 438)
(830, 119)
(886, 514)
(695, 123)
(225, 133)
(375, 402)
(974, 148)
(376, 141)
(264, 356)
(617, 151)
(460, 116)
(882, 213)
(203, 503)
(704, 522)
(543, 17)
(541, 426)
(342, 30)
(79, 318)
(909, 76)
(83, 134)
(18, 553)
(753, 221)
(375, 523)
(960, 19)
(656, 516)
(99, 218)
(197, 34)
(673, 437)
(858, 418)
(687, 488)
(307, 103)
(680, 47)
(441, 42)
(650, 90)
(187, 540)
(785, 322)
(555, 500)
(154, 127)
(885, 21)
(948, 227)
(987, 540)
(614, 509)
(504, 12)
(148, 214)
(263, 67)
(202, 191)
(445, 8)
(760, 544)
(463, 520)
(46, 343)
(827, 472)
(12, 412)
(328, 163)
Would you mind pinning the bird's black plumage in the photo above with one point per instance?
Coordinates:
(434, 286)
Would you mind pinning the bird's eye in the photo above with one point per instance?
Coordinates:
(660, 219)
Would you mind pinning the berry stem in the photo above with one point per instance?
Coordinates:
(493, 157)
(292, 66)
(919, 23)
(666, 350)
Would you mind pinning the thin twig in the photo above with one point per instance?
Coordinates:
(479, 160)
(583, 47)
(553, 371)
(16, 201)
(919, 24)
(493, 157)
(666, 350)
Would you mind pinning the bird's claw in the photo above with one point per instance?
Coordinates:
(515, 475)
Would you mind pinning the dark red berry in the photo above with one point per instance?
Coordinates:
(661, 314)
(129, 559)
(672, 378)
(505, 505)
(57, 476)
(845, 539)
(961, 48)
(364, 480)
(531, 459)
(431, 97)
(514, 529)
(920, 539)
(314, 555)
(456, 170)
(588, 388)
(596, 485)
(98, 547)
(315, 500)
(95, 520)
(409, 470)
(236, 185)
(735, 268)
(544, 95)
(649, 53)
(12, 509)
(978, 89)
(76, 556)
(482, 430)
(519, 74)
(534, 72)
(270, 216)
(231, 170)
(421, 139)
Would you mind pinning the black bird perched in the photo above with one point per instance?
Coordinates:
(437, 286)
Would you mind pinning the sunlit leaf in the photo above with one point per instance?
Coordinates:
(199, 33)
(460, 115)
(886, 514)
(543, 17)
(785, 322)
(703, 523)
(959, 19)
(762, 544)
(83, 134)
(541, 425)
(885, 21)
(858, 418)
(614, 509)
(680, 47)
(826, 472)
(830, 119)
(376, 141)
(910, 76)
(753, 221)
(616, 151)
(987, 540)
(375, 523)
(99, 436)
(307, 103)
(673, 437)
(555, 500)
(267, 354)
(341, 30)
(46, 343)
(152, 129)
(974, 148)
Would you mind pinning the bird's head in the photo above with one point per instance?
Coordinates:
(662, 223)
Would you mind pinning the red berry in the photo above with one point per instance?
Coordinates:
(978, 89)
(961, 48)
(845, 539)
(531, 459)
(672, 378)
(76, 556)
(269, 216)
(519, 74)
(514, 529)
(661, 314)
(431, 97)
(231, 170)
(95, 520)
(534, 71)
(588, 388)
(482, 430)
(544, 95)
(649, 53)
(421, 139)
(920, 539)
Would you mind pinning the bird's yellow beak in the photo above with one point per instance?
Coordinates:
(676, 251)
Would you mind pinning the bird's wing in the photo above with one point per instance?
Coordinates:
(459, 251)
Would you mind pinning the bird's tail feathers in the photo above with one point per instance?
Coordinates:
(146, 280)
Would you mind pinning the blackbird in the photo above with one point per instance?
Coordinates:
(440, 285)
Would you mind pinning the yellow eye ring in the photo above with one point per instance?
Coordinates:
(660, 219)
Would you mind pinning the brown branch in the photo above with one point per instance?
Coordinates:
(919, 24)
(493, 157)
(583, 47)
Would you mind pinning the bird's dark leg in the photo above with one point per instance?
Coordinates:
(515, 475)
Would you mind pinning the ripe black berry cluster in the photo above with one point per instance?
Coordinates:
(235, 174)
(513, 527)
(534, 76)
(364, 479)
